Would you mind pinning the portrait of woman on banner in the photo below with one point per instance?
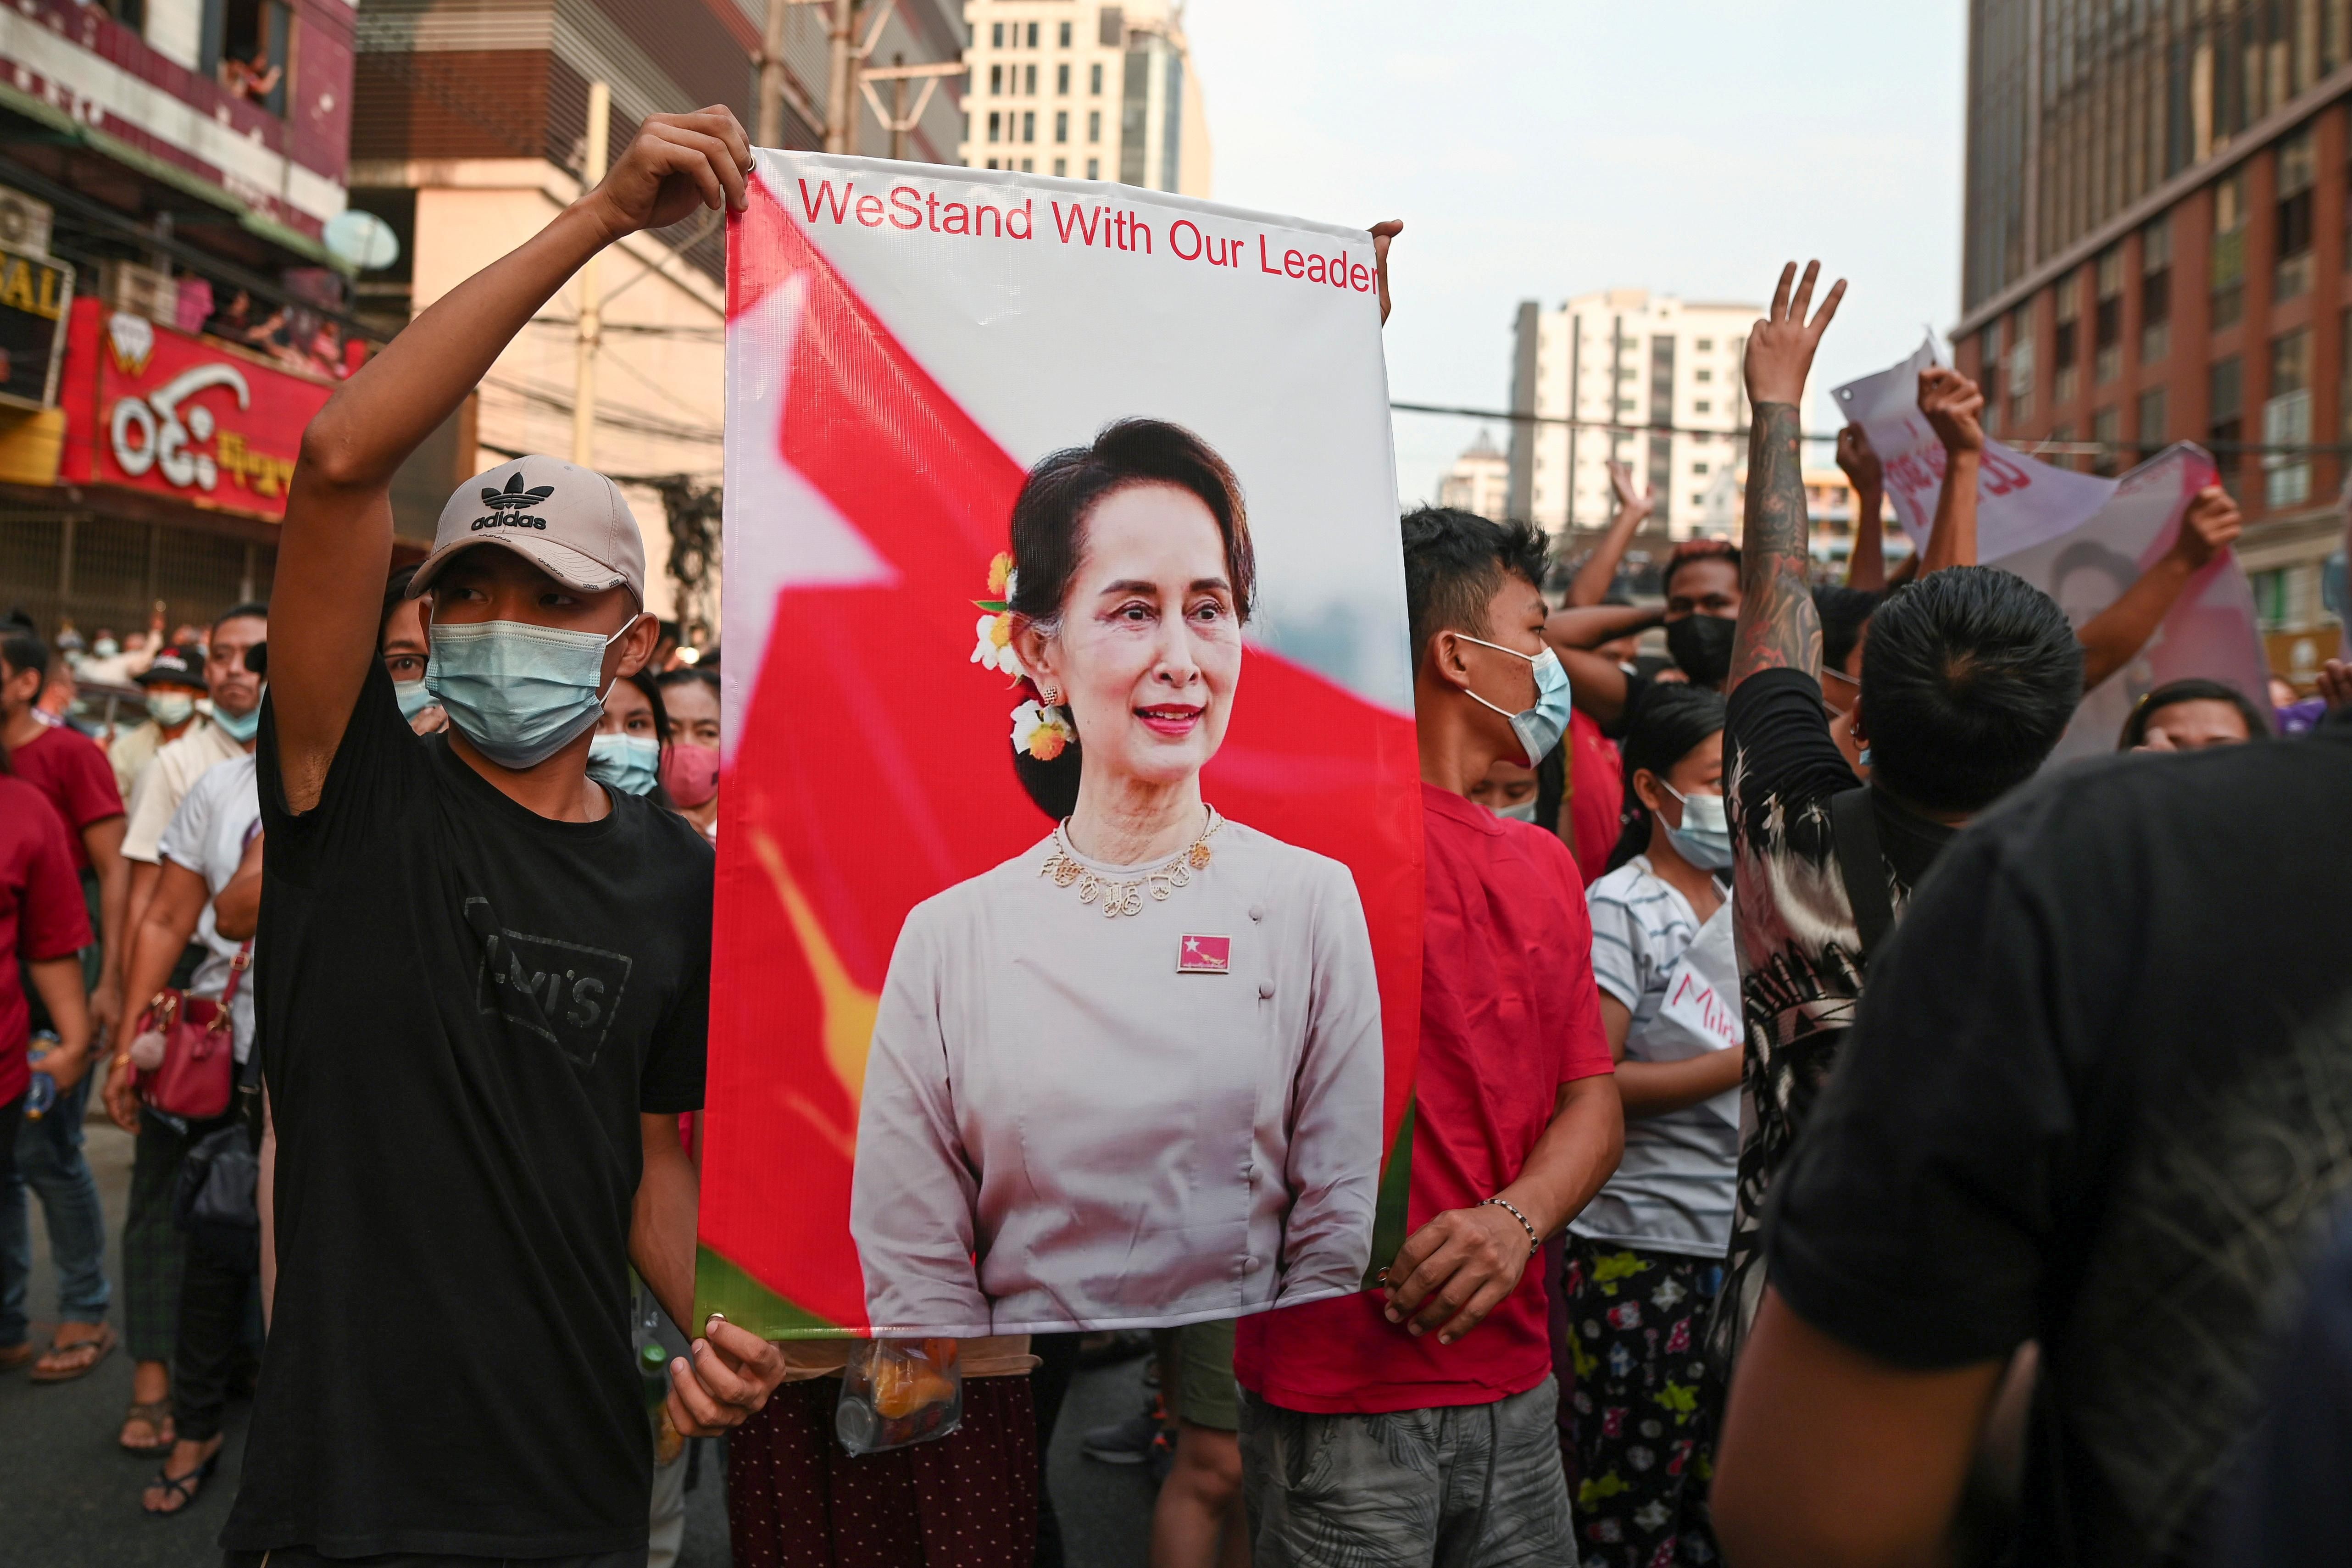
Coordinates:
(1132, 1076)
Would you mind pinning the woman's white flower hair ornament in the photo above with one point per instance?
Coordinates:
(1039, 728)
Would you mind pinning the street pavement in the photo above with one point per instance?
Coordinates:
(72, 1496)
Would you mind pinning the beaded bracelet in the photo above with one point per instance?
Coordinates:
(1535, 1244)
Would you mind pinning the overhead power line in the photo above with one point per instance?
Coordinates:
(2076, 447)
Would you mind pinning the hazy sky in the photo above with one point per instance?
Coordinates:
(1538, 148)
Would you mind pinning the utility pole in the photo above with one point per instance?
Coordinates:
(772, 77)
(841, 90)
(897, 111)
(584, 375)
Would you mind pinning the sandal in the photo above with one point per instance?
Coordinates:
(13, 1356)
(184, 1488)
(157, 1414)
(63, 1361)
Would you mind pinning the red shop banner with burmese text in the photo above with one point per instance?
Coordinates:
(1044, 496)
(153, 409)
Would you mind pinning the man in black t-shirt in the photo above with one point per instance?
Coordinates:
(2099, 1095)
(483, 986)
(1970, 676)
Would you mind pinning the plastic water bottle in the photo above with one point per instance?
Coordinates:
(653, 1360)
(43, 1093)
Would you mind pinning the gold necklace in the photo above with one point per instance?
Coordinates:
(1124, 894)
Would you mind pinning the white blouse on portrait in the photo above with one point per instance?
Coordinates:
(1060, 1128)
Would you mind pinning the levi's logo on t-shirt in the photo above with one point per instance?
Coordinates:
(561, 991)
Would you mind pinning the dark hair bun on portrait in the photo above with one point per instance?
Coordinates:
(1049, 540)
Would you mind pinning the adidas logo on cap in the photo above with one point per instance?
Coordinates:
(571, 522)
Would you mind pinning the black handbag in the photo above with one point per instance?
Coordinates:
(217, 1199)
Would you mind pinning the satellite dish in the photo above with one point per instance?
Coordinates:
(363, 239)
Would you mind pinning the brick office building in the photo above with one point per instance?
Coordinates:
(2157, 239)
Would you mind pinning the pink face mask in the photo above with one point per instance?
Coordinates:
(690, 774)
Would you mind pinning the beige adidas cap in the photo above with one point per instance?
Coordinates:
(571, 522)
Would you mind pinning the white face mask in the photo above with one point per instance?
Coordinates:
(519, 692)
(170, 708)
(1525, 811)
(1704, 837)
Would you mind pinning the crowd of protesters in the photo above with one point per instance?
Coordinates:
(1839, 1137)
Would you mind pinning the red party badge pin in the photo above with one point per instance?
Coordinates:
(1205, 955)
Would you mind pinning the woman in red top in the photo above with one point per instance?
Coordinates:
(43, 922)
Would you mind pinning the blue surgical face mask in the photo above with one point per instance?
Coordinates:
(1540, 727)
(519, 693)
(630, 763)
(238, 727)
(1704, 837)
(413, 697)
(170, 708)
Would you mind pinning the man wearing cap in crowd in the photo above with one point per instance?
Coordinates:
(482, 981)
(174, 684)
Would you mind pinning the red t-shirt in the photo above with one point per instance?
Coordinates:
(1596, 795)
(41, 914)
(66, 766)
(1508, 1013)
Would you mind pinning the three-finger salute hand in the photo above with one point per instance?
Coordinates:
(1629, 500)
(675, 166)
(728, 1378)
(1781, 347)
(1455, 1270)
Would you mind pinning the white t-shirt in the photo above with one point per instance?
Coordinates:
(165, 781)
(1673, 1190)
(207, 834)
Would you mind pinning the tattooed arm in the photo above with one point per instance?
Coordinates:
(1779, 627)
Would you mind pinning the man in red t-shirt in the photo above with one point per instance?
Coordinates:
(68, 767)
(42, 923)
(1381, 1426)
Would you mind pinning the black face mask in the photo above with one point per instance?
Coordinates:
(1700, 647)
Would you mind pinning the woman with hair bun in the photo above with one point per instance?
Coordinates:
(1132, 1076)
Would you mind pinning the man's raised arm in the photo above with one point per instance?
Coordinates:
(2114, 637)
(1599, 570)
(335, 548)
(1955, 410)
(1779, 627)
(1865, 564)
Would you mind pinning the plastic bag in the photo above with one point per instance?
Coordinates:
(897, 1391)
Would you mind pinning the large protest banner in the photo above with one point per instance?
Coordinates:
(2081, 539)
(1058, 1095)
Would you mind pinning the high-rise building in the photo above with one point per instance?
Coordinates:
(1658, 377)
(2155, 248)
(1093, 92)
(1479, 482)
